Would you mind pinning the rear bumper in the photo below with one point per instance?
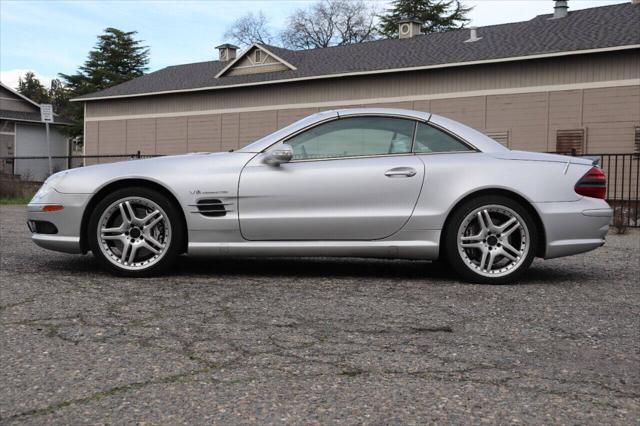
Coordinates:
(574, 227)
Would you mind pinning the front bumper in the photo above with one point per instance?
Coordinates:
(67, 221)
(574, 227)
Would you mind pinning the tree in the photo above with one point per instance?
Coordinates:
(330, 23)
(116, 58)
(31, 87)
(57, 95)
(250, 28)
(437, 15)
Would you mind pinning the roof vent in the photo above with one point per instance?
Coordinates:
(227, 52)
(408, 28)
(473, 35)
(560, 10)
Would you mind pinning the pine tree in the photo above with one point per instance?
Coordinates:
(30, 86)
(436, 15)
(116, 58)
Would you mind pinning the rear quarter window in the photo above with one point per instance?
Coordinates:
(431, 139)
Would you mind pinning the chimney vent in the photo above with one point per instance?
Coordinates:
(408, 28)
(561, 9)
(227, 52)
(473, 35)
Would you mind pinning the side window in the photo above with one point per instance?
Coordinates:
(430, 139)
(353, 137)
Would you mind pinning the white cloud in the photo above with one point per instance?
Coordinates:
(10, 77)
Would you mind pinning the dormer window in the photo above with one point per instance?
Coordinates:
(258, 56)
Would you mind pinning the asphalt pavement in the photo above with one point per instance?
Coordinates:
(309, 341)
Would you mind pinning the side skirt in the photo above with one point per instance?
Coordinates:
(425, 250)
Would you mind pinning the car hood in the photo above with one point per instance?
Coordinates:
(538, 156)
(86, 180)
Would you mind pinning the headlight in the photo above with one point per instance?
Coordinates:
(48, 186)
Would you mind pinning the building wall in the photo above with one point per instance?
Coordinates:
(31, 140)
(11, 102)
(528, 101)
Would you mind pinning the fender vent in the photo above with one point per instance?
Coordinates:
(211, 207)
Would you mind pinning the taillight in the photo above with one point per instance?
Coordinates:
(593, 184)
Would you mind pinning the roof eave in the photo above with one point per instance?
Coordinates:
(23, 120)
(15, 92)
(373, 72)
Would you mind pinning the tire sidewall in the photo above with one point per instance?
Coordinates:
(453, 256)
(173, 216)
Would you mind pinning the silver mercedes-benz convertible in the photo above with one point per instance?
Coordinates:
(366, 182)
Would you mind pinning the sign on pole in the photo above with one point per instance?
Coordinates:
(46, 115)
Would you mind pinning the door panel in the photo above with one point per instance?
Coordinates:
(344, 199)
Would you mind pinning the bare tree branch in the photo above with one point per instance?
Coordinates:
(250, 28)
(329, 23)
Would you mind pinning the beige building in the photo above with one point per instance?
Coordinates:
(553, 83)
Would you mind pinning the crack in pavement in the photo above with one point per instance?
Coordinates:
(378, 338)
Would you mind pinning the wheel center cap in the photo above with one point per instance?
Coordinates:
(134, 232)
(492, 240)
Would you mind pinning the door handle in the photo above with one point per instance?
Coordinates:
(400, 172)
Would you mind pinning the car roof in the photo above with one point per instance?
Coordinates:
(474, 137)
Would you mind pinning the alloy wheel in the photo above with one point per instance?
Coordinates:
(493, 240)
(134, 233)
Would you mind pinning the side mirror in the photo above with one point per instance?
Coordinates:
(282, 154)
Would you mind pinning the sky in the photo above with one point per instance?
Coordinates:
(50, 37)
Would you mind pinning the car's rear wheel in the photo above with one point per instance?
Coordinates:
(135, 232)
(490, 240)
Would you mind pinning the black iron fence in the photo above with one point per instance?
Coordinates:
(36, 168)
(622, 170)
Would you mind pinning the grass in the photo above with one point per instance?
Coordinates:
(18, 199)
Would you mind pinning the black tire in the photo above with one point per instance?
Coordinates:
(173, 216)
(452, 252)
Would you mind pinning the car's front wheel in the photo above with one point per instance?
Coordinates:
(135, 232)
(491, 240)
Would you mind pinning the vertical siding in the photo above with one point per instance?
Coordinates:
(254, 125)
(171, 135)
(91, 139)
(288, 116)
(525, 116)
(230, 131)
(612, 105)
(610, 116)
(141, 136)
(113, 133)
(565, 113)
(401, 105)
(611, 137)
(204, 133)
(532, 120)
(422, 105)
(471, 111)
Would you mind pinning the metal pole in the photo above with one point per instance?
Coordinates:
(49, 148)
